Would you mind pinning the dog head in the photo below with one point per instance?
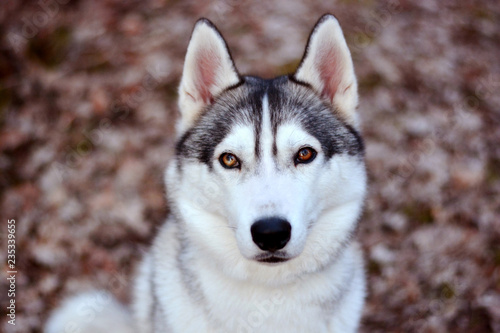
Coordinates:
(268, 173)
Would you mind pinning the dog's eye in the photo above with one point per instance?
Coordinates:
(305, 155)
(229, 161)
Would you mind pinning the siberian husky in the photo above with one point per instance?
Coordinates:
(265, 189)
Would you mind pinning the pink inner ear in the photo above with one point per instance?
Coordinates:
(329, 70)
(207, 65)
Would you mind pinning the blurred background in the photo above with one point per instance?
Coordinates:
(87, 111)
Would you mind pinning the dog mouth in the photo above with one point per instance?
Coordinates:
(272, 258)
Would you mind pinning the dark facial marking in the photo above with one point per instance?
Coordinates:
(292, 102)
(288, 102)
(241, 104)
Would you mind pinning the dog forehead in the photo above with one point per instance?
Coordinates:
(264, 106)
(264, 111)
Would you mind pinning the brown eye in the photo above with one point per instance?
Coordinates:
(305, 155)
(229, 161)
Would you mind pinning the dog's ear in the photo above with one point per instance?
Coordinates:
(327, 67)
(208, 70)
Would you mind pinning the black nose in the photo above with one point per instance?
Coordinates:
(271, 234)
